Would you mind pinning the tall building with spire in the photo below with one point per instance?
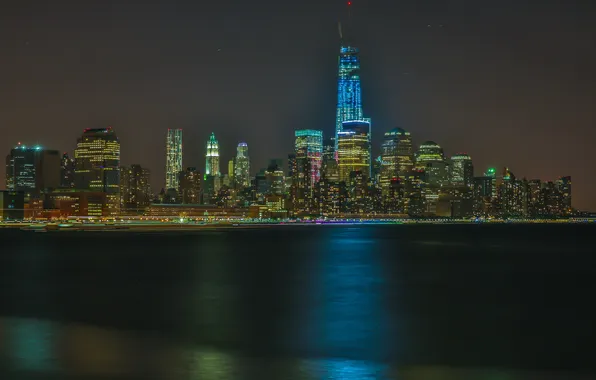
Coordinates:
(212, 157)
(173, 158)
(349, 98)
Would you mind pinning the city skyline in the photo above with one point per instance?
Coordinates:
(492, 128)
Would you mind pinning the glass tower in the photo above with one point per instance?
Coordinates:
(21, 165)
(461, 170)
(212, 157)
(305, 168)
(242, 166)
(429, 151)
(173, 158)
(397, 153)
(431, 159)
(32, 169)
(309, 146)
(349, 100)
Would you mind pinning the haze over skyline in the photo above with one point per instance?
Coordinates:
(510, 83)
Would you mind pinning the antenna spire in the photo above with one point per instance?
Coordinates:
(349, 22)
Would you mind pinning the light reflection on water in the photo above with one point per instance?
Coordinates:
(348, 303)
(213, 365)
(346, 315)
(30, 344)
(80, 351)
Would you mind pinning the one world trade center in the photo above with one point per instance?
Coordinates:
(349, 99)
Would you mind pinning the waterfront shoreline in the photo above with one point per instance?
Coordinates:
(139, 226)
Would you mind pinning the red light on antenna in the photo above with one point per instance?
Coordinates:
(349, 3)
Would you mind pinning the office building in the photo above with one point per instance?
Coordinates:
(353, 149)
(231, 172)
(275, 179)
(431, 159)
(564, 190)
(329, 167)
(67, 170)
(242, 166)
(509, 195)
(190, 186)
(461, 171)
(212, 186)
(73, 202)
(305, 167)
(309, 146)
(397, 156)
(135, 189)
(173, 157)
(429, 151)
(97, 165)
(32, 169)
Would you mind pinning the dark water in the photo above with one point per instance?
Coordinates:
(300, 303)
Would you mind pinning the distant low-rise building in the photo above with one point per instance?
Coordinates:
(193, 211)
(78, 203)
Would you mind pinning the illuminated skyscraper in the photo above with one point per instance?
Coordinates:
(305, 167)
(509, 195)
(231, 172)
(67, 169)
(212, 157)
(397, 156)
(173, 158)
(564, 189)
(349, 98)
(353, 149)
(429, 151)
(135, 188)
(309, 143)
(431, 159)
(329, 167)
(274, 177)
(461, 170)
(32, 169)
(242, 166)
(97, 160)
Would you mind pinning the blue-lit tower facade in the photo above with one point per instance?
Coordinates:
(349, 97)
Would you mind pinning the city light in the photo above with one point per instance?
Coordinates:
(333, 180)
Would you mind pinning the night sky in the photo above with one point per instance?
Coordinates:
(510, 82)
